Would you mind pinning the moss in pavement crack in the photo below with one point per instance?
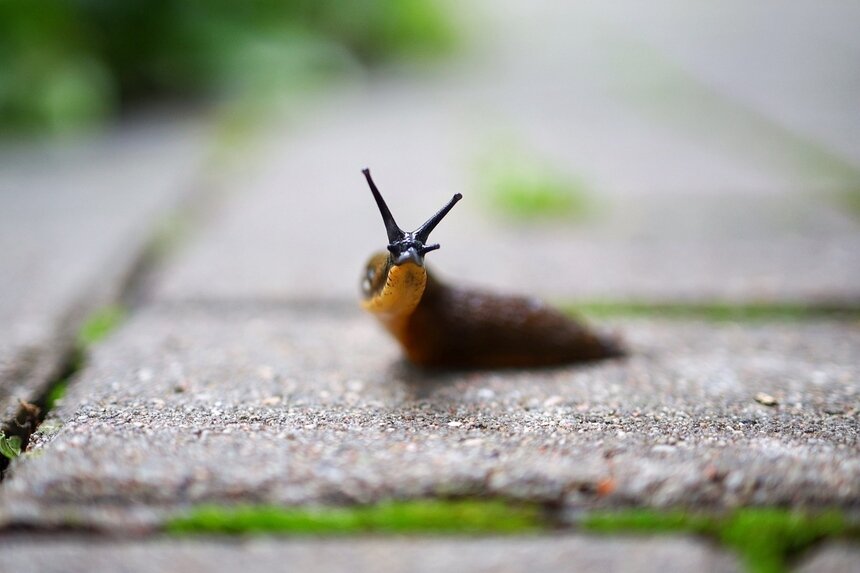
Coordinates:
(99, 325)
(766, 539)
(423, 516)
(714, 311)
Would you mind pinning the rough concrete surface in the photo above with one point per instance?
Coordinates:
(418, 555)
(74, 220)
(310, 405)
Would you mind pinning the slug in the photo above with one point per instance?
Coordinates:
(440, 325)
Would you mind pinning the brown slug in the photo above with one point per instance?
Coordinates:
(445, 326)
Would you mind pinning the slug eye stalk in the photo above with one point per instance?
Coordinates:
(404, 246)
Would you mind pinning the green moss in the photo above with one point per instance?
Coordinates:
(56, 393)
(530, 195)
(766, 539)
(644, 521)
(99, 324)
(716, 311)
(431, 516)
(850, 199)
(10, 446)
(519, 186)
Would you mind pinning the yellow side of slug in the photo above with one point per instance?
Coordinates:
(403, 289)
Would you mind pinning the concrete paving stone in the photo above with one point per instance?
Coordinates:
(677, 214)
(834, 557)
(74, 218)
(795, 63)
(367, 554)
(309, 404)
(276, 245)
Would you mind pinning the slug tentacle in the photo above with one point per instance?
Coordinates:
(423, 232)
(391, 227)
(439, 325)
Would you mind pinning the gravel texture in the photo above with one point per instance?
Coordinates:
(311, 405)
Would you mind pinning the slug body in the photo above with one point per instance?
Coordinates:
(444, 326)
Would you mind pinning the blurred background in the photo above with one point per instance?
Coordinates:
(608, 152)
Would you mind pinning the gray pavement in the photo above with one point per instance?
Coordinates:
(792, 63)
(833, 557)
(500, 555)
(725, 208)
(218, 404)
(74, 220)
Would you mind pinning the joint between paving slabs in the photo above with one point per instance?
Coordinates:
(31, 414)
(167, 235)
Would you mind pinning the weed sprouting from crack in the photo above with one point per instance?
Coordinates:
(15, 435)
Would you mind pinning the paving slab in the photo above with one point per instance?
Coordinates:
(497, 555)
(807, 50)
(310, 404)
(74, 218)
(834, 557)
(717, 210)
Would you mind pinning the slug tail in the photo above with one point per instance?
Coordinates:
(460, 328)
(612, 347)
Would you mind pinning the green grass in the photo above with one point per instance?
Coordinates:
(10, 446)
(520, 187)
(716, 311)
(430, 516)
(766, 539)
(99, 324)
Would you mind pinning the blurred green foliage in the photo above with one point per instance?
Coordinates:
(68, 62)
(520, 186)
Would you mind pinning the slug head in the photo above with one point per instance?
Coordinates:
(404, 246)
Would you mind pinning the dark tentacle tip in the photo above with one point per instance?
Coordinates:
(427, 248)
